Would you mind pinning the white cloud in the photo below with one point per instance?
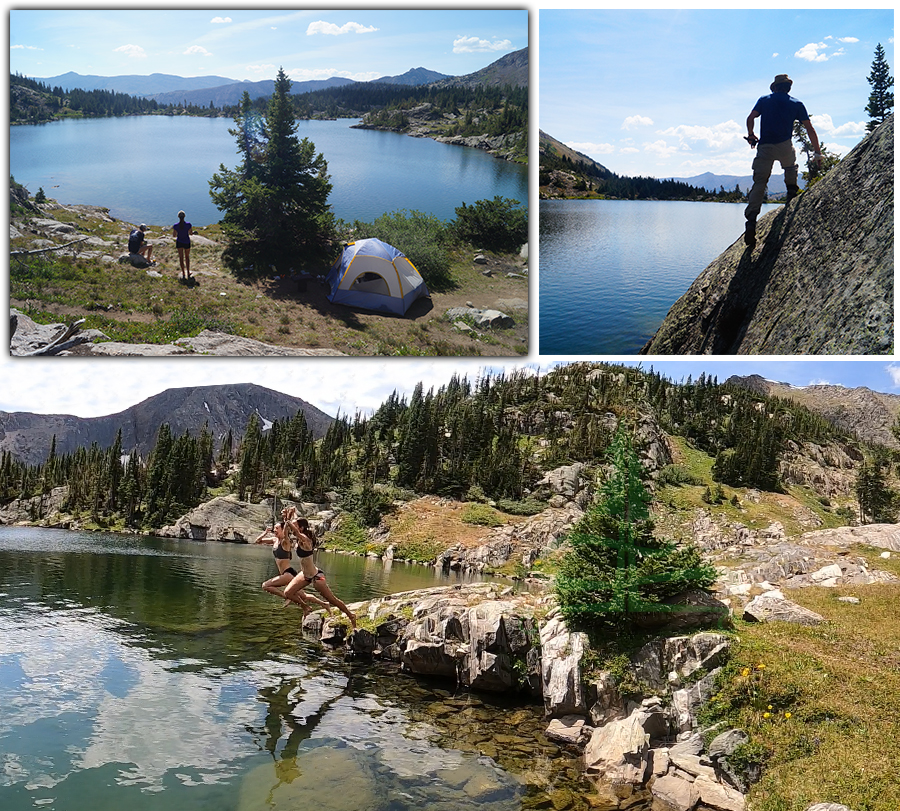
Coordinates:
(629, 150)
(589, 149)
(774, 55)
(219, 20)
(661, 148)
(308, 75)
(262, 70)
(197, 49)
(636, 121)
(847, 39)
(134, 51)
(470, 45)
(824, 124)
(25, 48)
(321, 27)
(894, 371)
(722, 136)
(810, 52)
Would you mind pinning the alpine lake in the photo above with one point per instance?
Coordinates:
(625, 263)
(154, 674)
(147, 168)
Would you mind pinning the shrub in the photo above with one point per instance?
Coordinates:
(422, 237)
(349, 535)
(677, 475)
(367, 504)
(481, 515)
(528, 506)
(496, 225)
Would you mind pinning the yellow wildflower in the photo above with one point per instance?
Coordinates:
(767, 715)
(745, 671)
(787, 715)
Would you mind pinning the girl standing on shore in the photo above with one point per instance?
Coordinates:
(182, 232)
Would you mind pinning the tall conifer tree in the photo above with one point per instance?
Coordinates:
(881, 100)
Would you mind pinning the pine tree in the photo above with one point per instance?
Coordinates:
(615, 567)
(275, 202)
(881, 100)
(878, 503)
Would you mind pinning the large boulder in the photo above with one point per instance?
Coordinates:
(561, 675)
(617, 751)
(775, 607)
(221, 519)
(820, 280)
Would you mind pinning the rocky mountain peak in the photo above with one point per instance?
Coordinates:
(819, 281)
(28, 436)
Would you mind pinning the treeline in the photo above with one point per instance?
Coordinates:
(597, 180)
(474, 110)
(54, 102)
(489, 438)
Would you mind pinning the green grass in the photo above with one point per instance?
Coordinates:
(820, 702)
(695, 465)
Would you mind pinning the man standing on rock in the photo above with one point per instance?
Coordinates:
(779, 111)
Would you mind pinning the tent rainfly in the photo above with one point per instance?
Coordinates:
(372, 275)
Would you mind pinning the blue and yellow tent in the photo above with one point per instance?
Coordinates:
(372, 275)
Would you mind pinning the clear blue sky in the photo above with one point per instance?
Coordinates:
(94, 387)
(666, 93)
(357, 44)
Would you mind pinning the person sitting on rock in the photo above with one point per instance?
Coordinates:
(779, 111)
(137, 244)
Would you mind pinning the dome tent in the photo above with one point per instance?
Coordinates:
(372, 275)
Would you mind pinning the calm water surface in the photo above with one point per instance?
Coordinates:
(155, 675)
(146, 168)
(610, 270)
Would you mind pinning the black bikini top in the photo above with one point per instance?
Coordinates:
(304, 553)
(280, 552)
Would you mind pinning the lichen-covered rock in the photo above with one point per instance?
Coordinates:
(820, 280)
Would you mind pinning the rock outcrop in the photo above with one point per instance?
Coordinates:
(30, 338)
(226, 519)
(820, 280)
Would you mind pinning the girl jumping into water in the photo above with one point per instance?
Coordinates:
(309, 572)
(282, 549)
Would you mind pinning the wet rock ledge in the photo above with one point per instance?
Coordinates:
(636, 748)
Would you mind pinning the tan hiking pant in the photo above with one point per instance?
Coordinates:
(766, 155)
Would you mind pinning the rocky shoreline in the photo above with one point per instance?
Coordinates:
(422, 123)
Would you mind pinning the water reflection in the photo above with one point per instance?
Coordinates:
(169, 680)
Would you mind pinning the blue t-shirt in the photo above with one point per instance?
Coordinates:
(779, 111)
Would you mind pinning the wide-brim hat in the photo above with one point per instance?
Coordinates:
(781, 78)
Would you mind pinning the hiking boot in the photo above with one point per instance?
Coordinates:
(792, 192)
(750, 234)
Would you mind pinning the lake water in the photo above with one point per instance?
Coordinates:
(147, 168)
(154, 674)
(610, 270)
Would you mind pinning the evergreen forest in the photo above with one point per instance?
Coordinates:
(489, 438)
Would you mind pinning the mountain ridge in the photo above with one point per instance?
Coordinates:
(865, 412)
(28, 436)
